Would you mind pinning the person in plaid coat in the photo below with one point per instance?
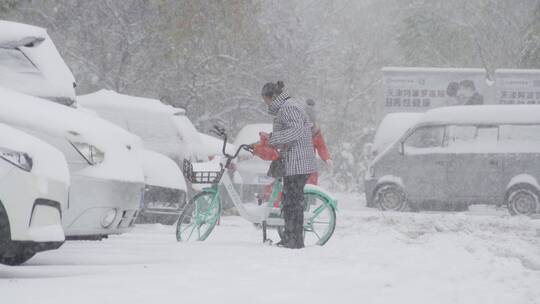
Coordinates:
(292, 135)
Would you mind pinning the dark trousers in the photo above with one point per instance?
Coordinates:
(293, 210)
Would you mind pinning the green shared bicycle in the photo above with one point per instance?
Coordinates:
(201, 214)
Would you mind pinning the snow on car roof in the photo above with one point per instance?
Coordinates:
(47, 160)
(516, 72)
(156, 123)
(36, 113)
(392, 127)
(15, 34)
(484, 114)
(432, 70)
(112, 99)
(54, 78)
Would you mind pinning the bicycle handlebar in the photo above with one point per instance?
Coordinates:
(221, 133)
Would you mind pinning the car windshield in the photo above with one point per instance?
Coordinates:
(426, 137)
(15, 61)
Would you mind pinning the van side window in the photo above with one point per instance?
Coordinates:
(520, 133)
(487, 134)
(426, 137)
(459, 135)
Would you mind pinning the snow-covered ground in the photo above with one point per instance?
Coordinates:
(480, 256)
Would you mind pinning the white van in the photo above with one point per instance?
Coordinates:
(34, 181)
(107, 179)
(457, 156)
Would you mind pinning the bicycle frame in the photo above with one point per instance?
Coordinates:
(255, 214)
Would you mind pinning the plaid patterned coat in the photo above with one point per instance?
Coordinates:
(292, 135)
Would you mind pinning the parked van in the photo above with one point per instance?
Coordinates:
(34, 181)
(107, 179)
(461, 156)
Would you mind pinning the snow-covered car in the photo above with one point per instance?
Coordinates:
(31, 64)
(34, 181)
(107, 179)
(252, 169)
(458, 156)
(157, 125)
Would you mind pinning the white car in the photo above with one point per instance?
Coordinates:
(31, 64)
(252, 169)
(34, 181)
(107, 179)
(155, 123)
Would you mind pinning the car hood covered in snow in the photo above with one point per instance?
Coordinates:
(20, 110)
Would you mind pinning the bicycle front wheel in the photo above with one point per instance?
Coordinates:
(199, 217)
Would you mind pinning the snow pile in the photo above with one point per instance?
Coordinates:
(472, 257)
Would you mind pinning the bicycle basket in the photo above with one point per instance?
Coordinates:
(200, 177)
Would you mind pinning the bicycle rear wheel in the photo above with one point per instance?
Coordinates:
(319, 218)
(199, 217)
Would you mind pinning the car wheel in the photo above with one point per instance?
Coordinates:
(390, 197)
(5, 233)
(523, 200)
(18, 257)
